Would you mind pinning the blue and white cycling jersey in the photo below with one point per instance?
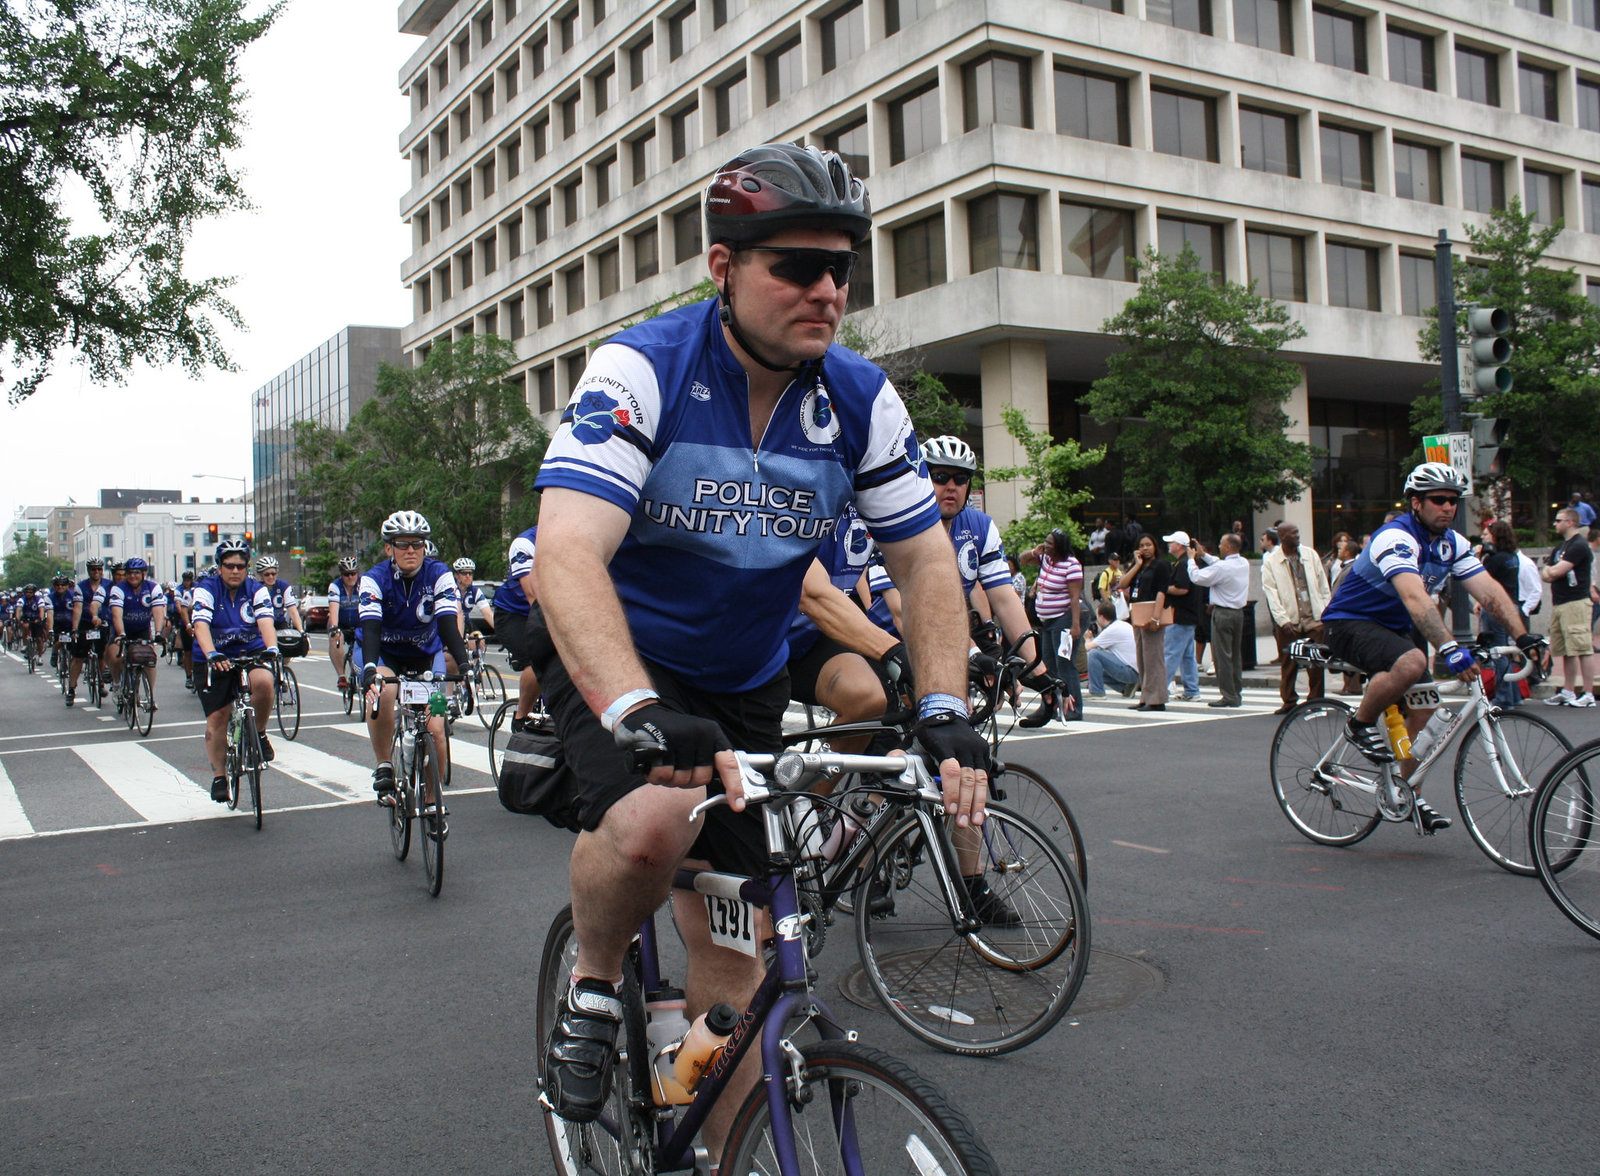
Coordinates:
(234, 617)
(471, 599)
(283, 599)
(845, 554)
(91, 593)
(721, 533)
(510, 597)
(61, 608)
(32, 606)
(878, 582)
(980, 555)
(1366, 592)
(409, 610)
(136, 605)
(344, 608)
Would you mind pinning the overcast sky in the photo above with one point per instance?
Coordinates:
(321, 251)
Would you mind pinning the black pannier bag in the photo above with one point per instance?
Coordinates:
(535, 779)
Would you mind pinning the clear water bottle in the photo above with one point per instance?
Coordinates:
(408, 751)
(1435, 730)
(666, 1025)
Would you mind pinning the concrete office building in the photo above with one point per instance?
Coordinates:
(1020, 154)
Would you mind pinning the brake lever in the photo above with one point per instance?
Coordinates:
(752, 782)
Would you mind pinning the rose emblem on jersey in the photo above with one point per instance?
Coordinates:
(857, 543)
(598, 417)
(913, 455)
(967, 558)
(817, 419)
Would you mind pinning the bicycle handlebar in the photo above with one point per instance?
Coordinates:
(768, 778)
(409, 676)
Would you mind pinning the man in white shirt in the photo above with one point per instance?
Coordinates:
(1229, 581)
(1530, 585)
(1113, 653)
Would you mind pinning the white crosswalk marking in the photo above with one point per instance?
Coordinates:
(13, 821)
(331, 773)
(149, 785)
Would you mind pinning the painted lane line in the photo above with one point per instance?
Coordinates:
(329, 773)
(13, 820)
(1135, 845)
(147, 784)
(465, 754)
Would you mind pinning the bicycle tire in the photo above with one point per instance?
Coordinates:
(400, 808)
(619, 1142)
(1030, 795)
(499, 732)
(1562, 840)
(123, 695)
(144, 705)
(895, 1119)
(1495, 820)
(251, 761)
(234, 771)
(430, 817)
(976, 993)
(490, 694)
(348, 692)
(288, 702)
(1322, 809)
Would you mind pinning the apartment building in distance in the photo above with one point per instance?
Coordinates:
(1020, 154)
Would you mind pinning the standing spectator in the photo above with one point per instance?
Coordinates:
(1269, 540)
(1333, 553)
(1295, 585)
(1594, 598)
(1128, 536)
(1105, 585)
(1569, 574)
(1146, 582)
(1585, 511)
(1097, 541)
(1530, 585)
(1177, 639)
(1056, 594)
(1499, 556)
(1229, 581)
(1113, 653)
(1244, 536)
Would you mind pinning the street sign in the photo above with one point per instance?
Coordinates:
(297, 552)
(1455, 449)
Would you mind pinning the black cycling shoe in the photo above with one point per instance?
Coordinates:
(266, 749)
(1432, 821)
(583, 1048)
(219, 789)
(989, 907)
(524, 724)
(383, 783)
(1370, 741)
(71, 698)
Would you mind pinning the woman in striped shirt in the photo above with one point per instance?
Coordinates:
(1055, 596)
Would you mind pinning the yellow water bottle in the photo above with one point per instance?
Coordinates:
(1398, 739)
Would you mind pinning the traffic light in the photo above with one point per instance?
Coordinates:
(1489, 451)
(249, 538)
(211, 534)
(1488, 350)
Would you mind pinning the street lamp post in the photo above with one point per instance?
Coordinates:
(244, 506)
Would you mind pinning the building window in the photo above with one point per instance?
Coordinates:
(1089, 106)
(1103, 5)
(511, 78)
(604, 84)
(1537, 90)
(1591, 206)
(1340, 38)
(488, 245)
(513, 235)
(1542, 7)
(1097, 242)
(567, 28)
(997, 89)
(1592, 287)
(608, 267)
(188, 538)
(105, 542)
(1411, 59)
(1003, 231)
(861, 290)
(572, 285)
(545, 388)
(598, 11)
(1477, 76)
(897, 14)
(1419, 291)
(486, 179)
(1277, 264)
(919, 255)
(686, 239)
(1194, 15)
(539, 132)
(1347, 157)
(1589, 104)
(1172, 234)
(641, 62)
(722, 11)
(571, 202)
(1483, 183)
(683, 32)
(1586, 14)
(149, 539)
(424, 224)
(464, 195)
(573, 365)
(463, 122)
(643, 150)
(1416, 172)
(783, 71)
(685, 131)
(914, 123)
(485, 104)
(1541, 192)
(538, 55)
(515, 320)
(441, 141)
(1269, 141)
(646, 254)
(511, 152)
(1352, 276)
(1184, 124)
(844, 35)
(544, 306)
(1264, 24)
(605, 180)
(850, 143)
(571, 108)
(541, 220)
(732, 106)
(464, 269)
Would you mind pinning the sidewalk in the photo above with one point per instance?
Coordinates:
(1265, 674)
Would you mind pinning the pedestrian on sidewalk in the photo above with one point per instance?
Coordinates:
(1569, 573)
(1147, 581)
(1178, 638)
(1228, 577)
(1113, 653)
(1295, 586)
(1056, 595)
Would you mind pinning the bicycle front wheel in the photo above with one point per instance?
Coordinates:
(250, 758)
(499, 733)
(288, 700)
(400, 814)
(1562, 838)
(490, 691)
(428, 787)
(349, 690)
(1498, 769)
(144, 704)
(1028, 794)
(974, 990)
(859, 1110)
(1326, 788)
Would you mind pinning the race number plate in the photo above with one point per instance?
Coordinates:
(1422, 697)
(91, 634)
(733, 923)
(415, 693)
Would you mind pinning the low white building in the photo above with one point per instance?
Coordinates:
(171, 537)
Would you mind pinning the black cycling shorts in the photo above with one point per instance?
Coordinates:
(214, 696)
(80, 645)
(1372, 647)
(807, 668)
(526, 640)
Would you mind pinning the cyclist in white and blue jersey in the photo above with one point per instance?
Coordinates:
(138, 607)
(1382, 617)
(344, 614)
(704, 457)
(512, 602)
(58, 617)
(232, 618)
(408, 619)
(474, 602)
(285, 602)
(86, 619)
(182, 616)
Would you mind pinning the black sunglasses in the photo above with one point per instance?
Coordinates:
(944, 477)
(805, 267)
(409, 544)
(234, 567)
(1443, 499)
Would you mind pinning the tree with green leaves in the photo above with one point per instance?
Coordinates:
(319, 567)
(933, 410)
(28, 562)
(1052, 469)
(448, 438)
(129, 109)
(1198, 392)
(1553, 408)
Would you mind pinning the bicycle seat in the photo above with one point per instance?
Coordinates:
(1309, 652)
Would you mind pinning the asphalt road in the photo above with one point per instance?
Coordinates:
(183, 994)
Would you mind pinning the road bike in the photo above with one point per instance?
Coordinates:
(286, 701)
(1562, 838)
(482, 688)
(244, 761)
(1334, 795)
(134, 695)
(824, 1106)
(351, 687)
(93, 678)
(419, 775)
(61, 659)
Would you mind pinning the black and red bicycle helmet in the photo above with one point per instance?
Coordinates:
(777, 186)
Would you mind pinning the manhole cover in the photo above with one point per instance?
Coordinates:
(1113, 981)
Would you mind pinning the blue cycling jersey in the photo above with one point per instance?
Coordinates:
(878, 612)
(509, 597)
(283, 599)
(136, 605)
(845, 555)
(980, 555)
(92, 592)
(344, 605)
(235, 617)
(1367, 593)
(33, 606)
(409, 610)
(61, 608)
(721, 532)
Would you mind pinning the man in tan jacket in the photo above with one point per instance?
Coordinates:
(1295, 585)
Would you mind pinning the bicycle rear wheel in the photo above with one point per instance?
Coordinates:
(430, 814)
(490, 692)
(251, 762)
(1499, 765)
(288, 702)
(499, 733)
(1562, 836)
(1024, 792)
(992, 989)
(1330, 796)
(143, 703)
(859, 1109)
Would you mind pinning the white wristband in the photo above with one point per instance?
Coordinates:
(632, 698)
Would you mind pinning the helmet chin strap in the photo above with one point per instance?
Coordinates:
(726, 315)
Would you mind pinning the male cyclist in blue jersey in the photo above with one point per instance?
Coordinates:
(58, 619)
(285, 603)
(344, 614)
(474, 601)
(512, 602)
(182, 617)
(704, 457)
(87, 619)
(232, 618)
(1382, 617)
(138, 606)
(408, 619)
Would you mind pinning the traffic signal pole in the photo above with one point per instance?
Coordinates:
(1449, 359)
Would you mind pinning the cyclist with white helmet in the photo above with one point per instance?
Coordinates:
(344, 614)
(408, 619)
(285, 603)
(474, 603)
(138, 607)
(1382, 617)
(232, 618)
(86, 619)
